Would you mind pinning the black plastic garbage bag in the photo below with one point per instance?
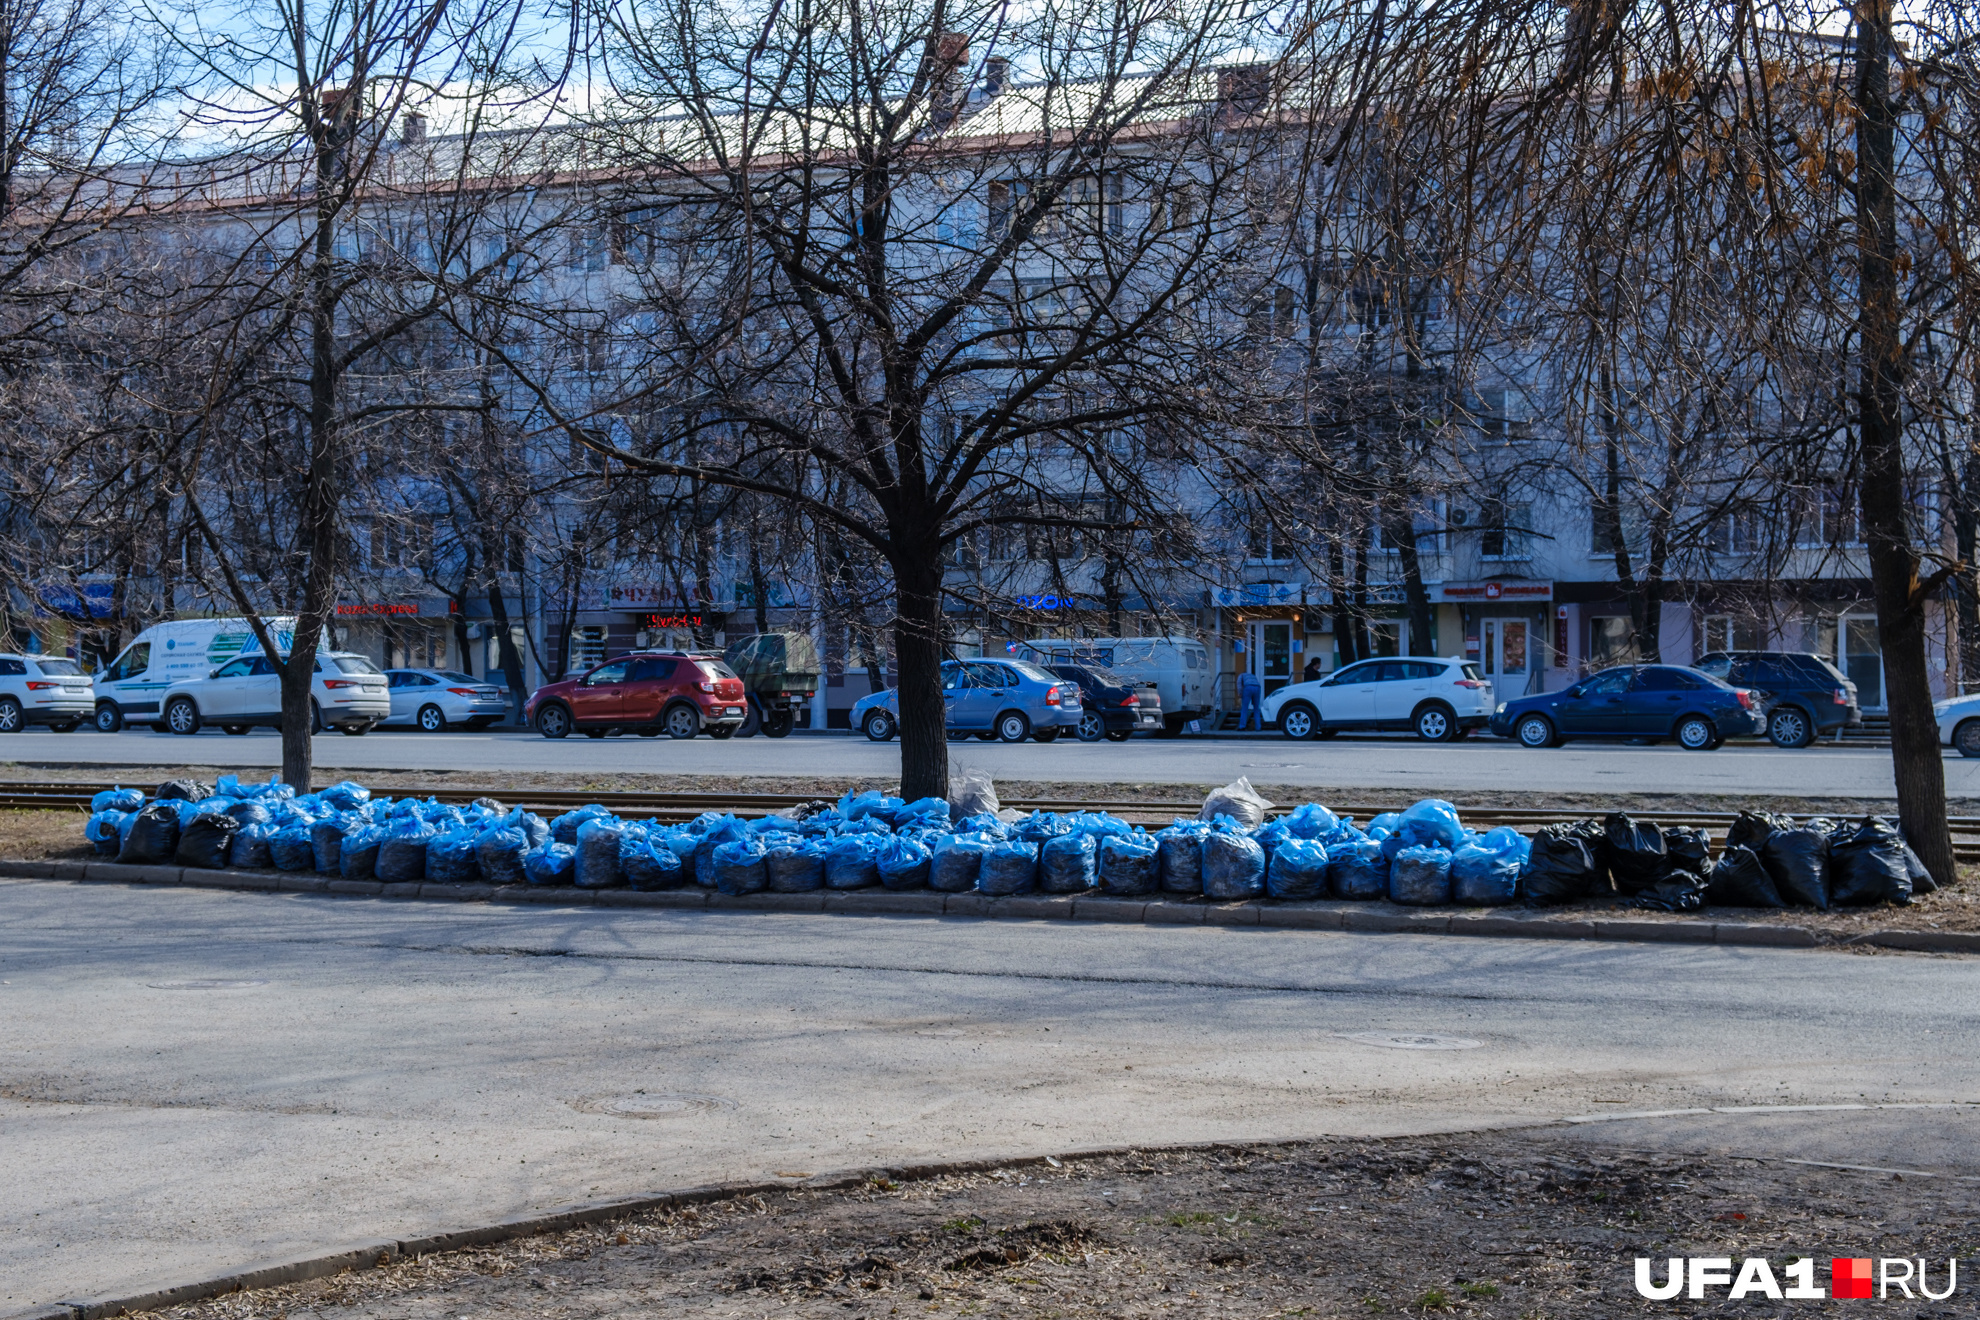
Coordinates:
(1914, 870)
(1179, 857)
(1677, 891)
(1233, 867)
(550, 864)
(1128, 866)
(326, 839)
(289, 849)
(1636, 855)
(1866, 864)
(1739, 880)
(250, 813)
(1066, 864)
(598, 854)
(1010, 867)
(738, 866)
(1298, 870)
(1357, 869)
(154, 835)
(499, 854)
(450, 858)
(957, 861)
(1797, 860)
(794, 866)
(1751, 828)
(1421, 876)
(249, 850)
(357, 856)
(903, 863)
(1689, 849)
(205, 840)
(1561, 867)
(183, 790)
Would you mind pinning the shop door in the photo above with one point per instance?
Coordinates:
(1271, 654)
(1388, 637)
(1506, 651)
(1863, 660)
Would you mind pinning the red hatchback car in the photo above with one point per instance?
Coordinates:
(647, 692)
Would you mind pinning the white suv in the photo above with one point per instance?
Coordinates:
(44, 689)
(347, 694)
(1438, 699)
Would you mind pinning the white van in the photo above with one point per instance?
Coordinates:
(1179, 667)
(130, 688)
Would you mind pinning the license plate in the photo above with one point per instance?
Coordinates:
(371, 691)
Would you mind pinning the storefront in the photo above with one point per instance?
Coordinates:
(1507, 628)
(416, 633)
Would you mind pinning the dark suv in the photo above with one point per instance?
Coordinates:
(1802, 694)
(1112, 705)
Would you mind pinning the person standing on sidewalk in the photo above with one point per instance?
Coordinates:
(1250, 693)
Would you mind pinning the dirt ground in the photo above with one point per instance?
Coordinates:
(1515, 1225)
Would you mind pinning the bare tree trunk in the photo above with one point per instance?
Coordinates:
(1915, 757)
(1337, 583)
(505, 643)
(1402, 530)
(918, 655)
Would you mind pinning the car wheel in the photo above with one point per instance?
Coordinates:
(1789, 726)
(1013, 727)
(752, 722)
(12, 718)
(235, 730)
(1436, 723)
(316, 724)
(182, 716)
(1119, 735)
(1536, 731)
(1967, 738)
(1298, 721)
(1091, 727)
(108, 718)
(432, 719)
(1695, 733)
(1045, 736)
(878, 726)
(682, 722)
(553, 721)
(779, 723)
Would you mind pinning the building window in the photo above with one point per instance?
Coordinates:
(1724, 633)
(587, 648)
(1501, 415)
(1611, 641)
(1826, 515)
(1505, 531)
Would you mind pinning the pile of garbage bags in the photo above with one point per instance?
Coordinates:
(1425, 856)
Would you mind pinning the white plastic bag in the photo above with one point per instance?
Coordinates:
(972, 794)
(1238, 800)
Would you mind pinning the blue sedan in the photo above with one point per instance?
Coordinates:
(1000, 700)
(1652, 702)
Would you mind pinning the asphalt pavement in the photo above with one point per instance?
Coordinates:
(1478, 763)
(193, 1081)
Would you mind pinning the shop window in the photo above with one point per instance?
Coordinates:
(1611, 641)
(587, 648)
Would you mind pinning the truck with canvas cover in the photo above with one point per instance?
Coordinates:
(779, 671)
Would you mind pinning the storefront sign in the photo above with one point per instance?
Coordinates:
(1258, 593)
(1046, 602)
(1495, 591)
(676, 619)
(97, 601)
(382, 609)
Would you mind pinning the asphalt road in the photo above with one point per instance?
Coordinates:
(192, 1081)
(1848, 770)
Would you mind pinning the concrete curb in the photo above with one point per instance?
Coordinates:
(1361, 918)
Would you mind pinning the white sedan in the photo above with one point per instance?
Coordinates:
(1439, 699)
(1959, 723)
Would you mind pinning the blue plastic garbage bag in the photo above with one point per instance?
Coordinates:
(858, 806)
(1432, 821)
(982, 823)
(1312, 821)
(104, 828)
(1066, 864)
(346, 796)
(727, 830)
(1179, 857)
(1298, 869)
(957, 860)
(117, 799)
(247, 813)
(357, 856)
(565, 827)
(738, 867)
(326, 842)
(290, 848)
(648, 862)
(923, 813)
(550, 864)
(598, 853)
(402, 857)
(1233, 866)
(1270, 835)
(1485, 868)
(1358, 869)
(450, 858)
(1097, 823)
(1385, 824)
(249, 851)
(1040, 826)
(795, 866)
(499, 853)
(854, 862)
(1420, 875)
(1128, 866)
(1010, 867)
(904, 862)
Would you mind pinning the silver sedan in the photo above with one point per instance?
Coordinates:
(432, 699)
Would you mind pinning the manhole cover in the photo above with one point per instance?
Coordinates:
(654, 1104)
(204, 985)
(1409, 1040)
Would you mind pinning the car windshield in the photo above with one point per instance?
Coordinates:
(59, 668)
(454, 676)
(354, 664)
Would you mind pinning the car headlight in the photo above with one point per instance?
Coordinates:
(1501, 710)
